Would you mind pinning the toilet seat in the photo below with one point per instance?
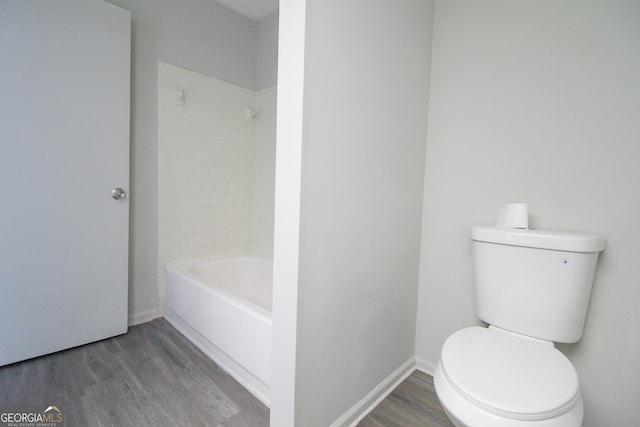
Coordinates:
(509, 375)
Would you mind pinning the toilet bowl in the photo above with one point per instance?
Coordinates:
(496, 378)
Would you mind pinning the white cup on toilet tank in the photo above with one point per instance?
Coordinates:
(513, 215)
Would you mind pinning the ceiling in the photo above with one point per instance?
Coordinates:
(255, 10)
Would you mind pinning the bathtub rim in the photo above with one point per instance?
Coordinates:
(182, 270)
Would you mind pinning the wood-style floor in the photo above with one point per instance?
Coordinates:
(413, 403)
(153, 376)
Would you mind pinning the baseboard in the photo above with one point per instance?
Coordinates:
(426, 366)
(144, 317)
(358, 411)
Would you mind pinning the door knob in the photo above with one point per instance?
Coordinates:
(118, 193)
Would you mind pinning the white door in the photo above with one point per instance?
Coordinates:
(64, 145)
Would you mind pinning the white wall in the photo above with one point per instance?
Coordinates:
(264, 173)
(265, 167)
(363, 146)
(538, 102)
(198, 35)
(286, 235)
(267, 66)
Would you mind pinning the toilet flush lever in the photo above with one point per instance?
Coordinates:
(118, 193)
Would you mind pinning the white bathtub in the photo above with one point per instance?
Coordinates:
(223, 306)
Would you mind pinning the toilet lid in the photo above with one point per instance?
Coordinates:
(510, 375)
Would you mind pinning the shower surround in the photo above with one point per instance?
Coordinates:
(215, 169)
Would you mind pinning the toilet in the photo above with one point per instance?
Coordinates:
(532, 289)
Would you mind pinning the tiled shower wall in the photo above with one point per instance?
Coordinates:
(213, 168)
(264, 173)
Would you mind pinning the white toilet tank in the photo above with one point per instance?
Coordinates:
(534, 282)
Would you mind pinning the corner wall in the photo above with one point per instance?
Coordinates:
(267, 60)
(264, 172)
(363, 146)
(538, 102)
